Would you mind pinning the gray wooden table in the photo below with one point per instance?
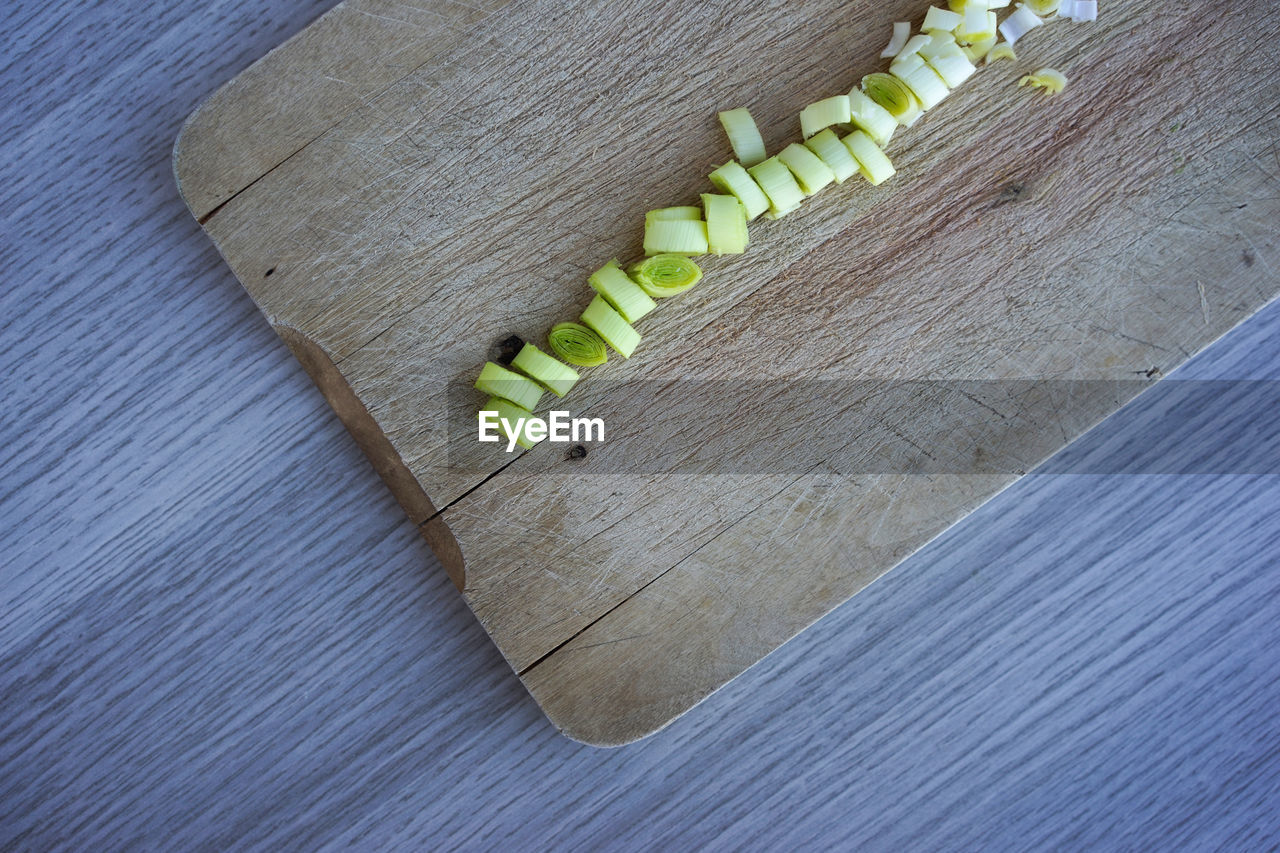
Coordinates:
(217, 630)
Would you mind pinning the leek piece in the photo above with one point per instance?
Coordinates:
(925, 84)
(892, 94)
(1050, 80)
(1084, 10)
(978, 49)
(726, 224)
(674, 213)
(617, 288)
(1017, 25)
(682, 236)
(872, 162)
(824, 113)
(1003, 50)
(811, 173)
(497, 381)
(733, 179)
(577, 344)
(666, 275)
(913, 46)
(870, 117)
(828, 146)
(1043, 8)
(901, 32)
(609, 325)
(1066, 8)
(546, 371)
(940, 20)
(978, 24)
(781, 188)
(948, 59)
(513, 416)
(744, 136)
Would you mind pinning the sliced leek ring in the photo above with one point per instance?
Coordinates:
(1003, 50)
(733, 179)
(868, 116)
(833, 152)
(617, 288)
(497, 381)
(1049, 79)
(872, 162)
(665, 275)
(609, 325)
(811, 173)
(726, 224)
(823, 114)
(679, 236)
(577, 344)
(892, 94)
(778, 184)
(744, 136)
(688, 211)
(557, 378)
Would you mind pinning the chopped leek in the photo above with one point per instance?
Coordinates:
(617, 288)
(497, 381)
(665, 275)
(610, 326)
(1003, 50)
(948, 59)
(577, 344)
(913, 46)
(744, 136)
(868, 116)
(1017, 25)
(726, 224)
(872, 162)
(1084, 10)
(682, 236)
(546, 371)
(513, 421)
(978, 22)
(733, 179)
(892, 94)
(781, 188)
(901, 32)
(978, 49)
(828, 146)
(923, 82)
(811, 173)
(940, 20)
(1043, 8)
(824, 113)
(1050, 80)
(689, 211)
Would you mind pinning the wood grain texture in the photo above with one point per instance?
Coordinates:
(218, 631)
(1102, 235)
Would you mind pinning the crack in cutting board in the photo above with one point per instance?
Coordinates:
(402, 186)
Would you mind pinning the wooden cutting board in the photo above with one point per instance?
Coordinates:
(403, 185)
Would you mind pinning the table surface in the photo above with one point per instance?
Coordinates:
(217, 629)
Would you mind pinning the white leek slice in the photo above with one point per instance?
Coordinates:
(678, 236)
(744, 136)
(1066, 8)
(666, 275)
(778, 184)
(726, 224)
(1049, 79)
(1017, 25)
(912, 46)
(901, 32)
(516, 418)
(811, 173)
(824, 113)
(997, 4)
(609, 325)
(832, 151)
(684, 211)
(1003, 50)
(868, 116)
(546, 371)
(496, 381)
(942, 20)
(1042, 8)
(872, 162)
(948, 59)
(1085, 10)
(892, 94)
(577, 344)
(925, 84)
(617, 288)
(978, 23)
(735, 180)
(978, 49)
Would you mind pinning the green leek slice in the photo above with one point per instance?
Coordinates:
(978, 49)
(948, 59)
(811, 173)
(546, 371)
(781, 188)
(1049, 79)
(514, 416)
(870, 117)
(978, 23)
(1043, 8)
(497, 381)
(828, 146)
(942, 20)
(912, 46)
(892, 94)
(924, 83)
(680, 236)
(872, 162)
(1003, 50)
(577, 344)
(744, 136)
(735, 180)
(617, 288)
(726, 224)
(610, 326)
(823, 114)
(666, 275)
(687, 211)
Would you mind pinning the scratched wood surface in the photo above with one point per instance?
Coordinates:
(218, 631)
(396, 211)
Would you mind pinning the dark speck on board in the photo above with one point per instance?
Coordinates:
(268, 273)
(1247, 257)
(576, 452)
(507, 349)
